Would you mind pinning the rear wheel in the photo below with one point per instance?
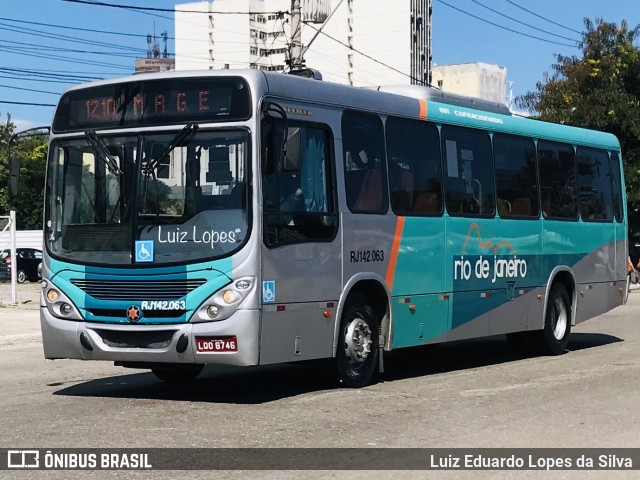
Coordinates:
(357, 355)
(178, 374)
(557, 323)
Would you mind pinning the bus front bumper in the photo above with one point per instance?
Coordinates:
(151, 343)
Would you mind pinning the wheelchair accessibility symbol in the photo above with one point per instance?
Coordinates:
(144, 251)
(268, 291)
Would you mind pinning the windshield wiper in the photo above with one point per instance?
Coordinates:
(186, 132)
(102, 152)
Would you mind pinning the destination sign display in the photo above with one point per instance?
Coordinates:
(154, 102)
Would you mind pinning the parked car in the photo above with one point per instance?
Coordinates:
(29, 266)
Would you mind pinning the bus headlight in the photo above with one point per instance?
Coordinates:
(59, 304)
(222, 304)
(229, 297)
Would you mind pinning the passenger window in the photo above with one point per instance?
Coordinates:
(516, 178)
(415, 177)
(556, 162)
(616, 179)
(594, 183)
(298, 200)
(469, 185)
(364, 160)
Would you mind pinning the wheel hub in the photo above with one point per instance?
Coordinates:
(358, 340)
(560, 326)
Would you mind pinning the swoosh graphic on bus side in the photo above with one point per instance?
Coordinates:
(495, 248)
(393, 258)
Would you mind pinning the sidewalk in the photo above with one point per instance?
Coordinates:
(20, 322)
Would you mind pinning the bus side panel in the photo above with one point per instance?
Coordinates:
(304, 280)
(589, 251)
(493, 267)
(420, 305)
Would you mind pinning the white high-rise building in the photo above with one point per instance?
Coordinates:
(366, 42)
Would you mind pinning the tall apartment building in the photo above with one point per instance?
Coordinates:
(366, 42)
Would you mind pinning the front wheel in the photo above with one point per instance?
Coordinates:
(21, 276)
(178, 374)
(357, 355)
(557, 322)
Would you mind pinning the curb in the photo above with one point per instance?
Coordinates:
(20, 339)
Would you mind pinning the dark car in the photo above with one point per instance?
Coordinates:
(29, 266)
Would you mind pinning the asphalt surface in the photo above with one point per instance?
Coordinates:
(471, 394)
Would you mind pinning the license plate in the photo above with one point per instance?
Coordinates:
(216, 344)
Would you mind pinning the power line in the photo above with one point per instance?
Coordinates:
(545, 18)
(67, 59)
(420, 81)
(30, 90)
(79, 29)
(58, 73)
(156, 9)
(42, 80)
(65, 38)
(523, 23)
(28, 103)
(23, 46)
(503, 27)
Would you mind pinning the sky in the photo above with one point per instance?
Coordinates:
(48, 45)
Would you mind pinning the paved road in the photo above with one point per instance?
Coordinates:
(466, 394)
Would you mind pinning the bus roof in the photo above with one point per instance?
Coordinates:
(411, 101)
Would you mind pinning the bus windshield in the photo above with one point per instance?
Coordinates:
(148, 199)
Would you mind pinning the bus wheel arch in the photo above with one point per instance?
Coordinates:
(364, 315)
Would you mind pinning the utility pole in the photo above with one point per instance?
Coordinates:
(296, 62)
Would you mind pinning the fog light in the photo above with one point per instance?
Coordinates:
(65, 309)
(212, 311)
(229, 296)
(52, 295)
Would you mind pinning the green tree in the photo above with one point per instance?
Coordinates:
(600, 90)
(33, 151)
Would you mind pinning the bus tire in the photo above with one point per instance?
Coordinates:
(627, 290)
(178, 374)
(357, 353)
(557, 321)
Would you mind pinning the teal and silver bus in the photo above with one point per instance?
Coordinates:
(251, 218)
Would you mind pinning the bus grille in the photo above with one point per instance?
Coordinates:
(139, 289)
(152, 340)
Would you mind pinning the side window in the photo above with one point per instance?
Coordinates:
(415, 177)
(364, 159)
(516, 177)
(616, 180)
(557, 180)
(298, 198)
(594, 184)
(468, 180)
